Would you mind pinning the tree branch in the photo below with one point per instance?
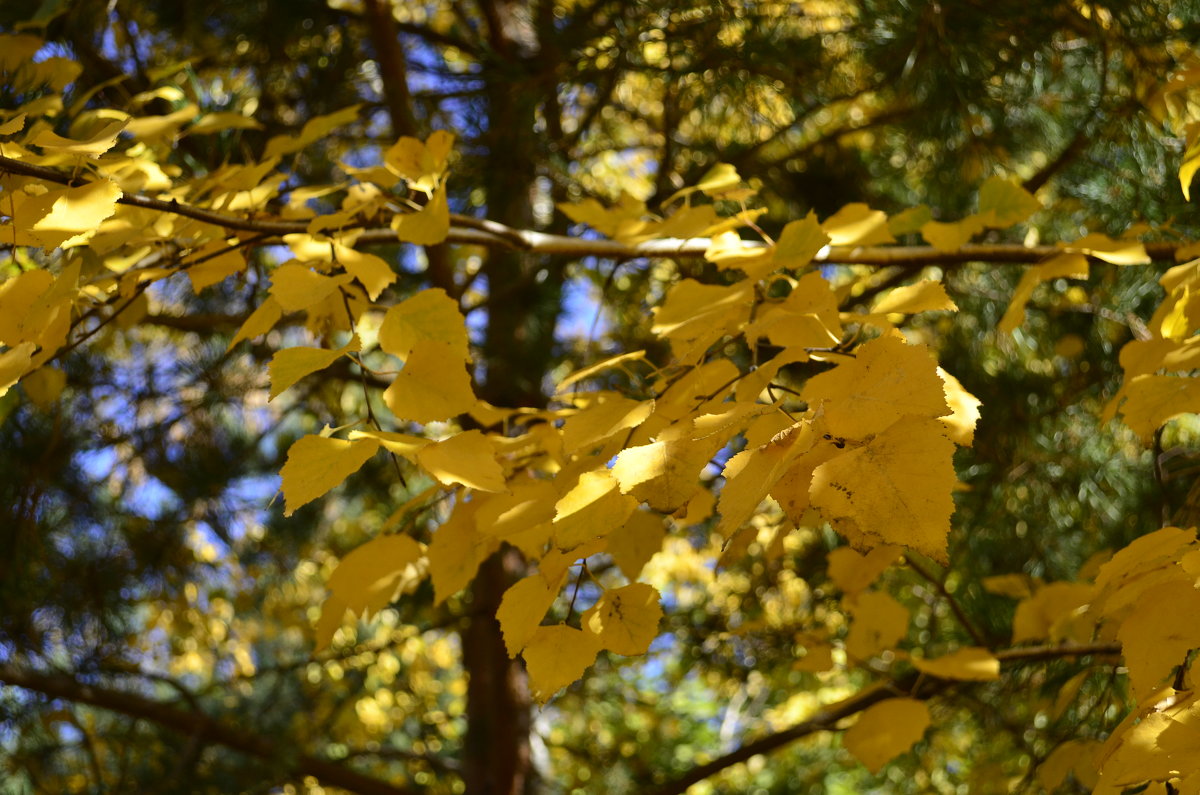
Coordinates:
(194, 724)
(481, 232)
(913, 685)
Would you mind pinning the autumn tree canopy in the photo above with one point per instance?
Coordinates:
(492, 396)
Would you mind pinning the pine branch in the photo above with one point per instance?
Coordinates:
(194, 724)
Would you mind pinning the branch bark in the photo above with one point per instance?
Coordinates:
(196, 725)
(490, 234)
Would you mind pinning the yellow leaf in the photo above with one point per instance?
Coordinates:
(858, 225)
(952, 236)
(695, 315)
(529, 504)
(402, 444)
(1050, 612)
(970, 664)
(434, 385)
(467, 458)
(291, 364)
(625, 620)
(1073, 756)
(224, 120)
(626, 221)
(14, 363)
(456, 551)
(886, 380)
(886, 730)
(428, 226)
(13, 125)
(807, 318)
(296, 287)
(557, 656)
(98, 143)
(924, 296)
(1118, 252)
(1014, 586)
(1007, 202)
(964, 411)
(896, 489)
(602, 419)
(522, 609)
(316, 464)
(910, 220)
(427, 316)
(366, 580)
(799, 242)
(880, 622)
(1191, 160)
(371, 271)
(1063, 266)
(261, 320)
(633, 544)
(665, 474)
(593, 508)
(73, 211)
(420, 164)
(751, 474)
(1156, 636)
(719, 178)
(853, 572)
(43, 385)
(218, 261)
(599, 367)
(314, 129)
(1152, 400)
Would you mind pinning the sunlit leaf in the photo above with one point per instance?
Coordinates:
(886, 730)
(316, 464)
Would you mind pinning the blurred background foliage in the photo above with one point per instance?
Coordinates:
(138, 546)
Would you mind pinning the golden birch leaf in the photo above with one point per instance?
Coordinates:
(261, 320)
(297, 287)
(665, 474)
(427, 316)
(886, 730)
(1154, 639)
(225, 120)
(1063, 266)
(529, 503)
(1118, 252)
(220, 261)
(434, 385)
(366, 580)
(910, 220)
(799, 242)
(694, 316)
(886, 380)
(456, 551)
(1007, 202)
(926, 295)
(291, 364)
(13, 125)
(43, 385)
(14, 363)
(18, 295)
(428, 226)
(523, 607)
(952, 236)
(857, 225)
(371, 271)
(970, 664)
(896, 489)
(1013, 586)
(557, 656)
(880, 622)
(593, 508)
(74, 211)
(1190, 163)
(751, 474)
(316, 464)
(633, 544)
(599, 367)
(420, 164)
(1152, 400)
(402, 444)
(606, 416)
(964, 411)
(1073, 756)
(1144, 554)
(625, 620)
(314, 129)
(817, 657)
(98, 143)
(1049, 612)
(467, 458)
(854, 572)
